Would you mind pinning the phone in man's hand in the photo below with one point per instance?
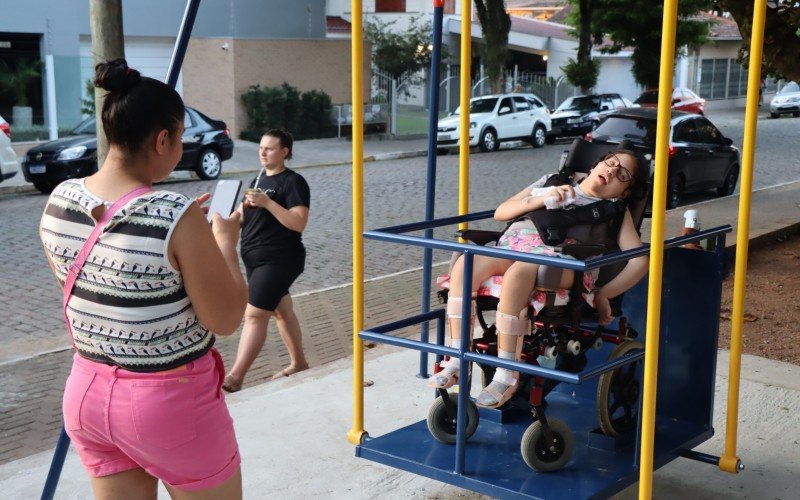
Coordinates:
(226, 195)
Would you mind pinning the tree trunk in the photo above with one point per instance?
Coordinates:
(105, 20)
(585, 37)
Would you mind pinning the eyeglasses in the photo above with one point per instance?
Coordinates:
(623, 174)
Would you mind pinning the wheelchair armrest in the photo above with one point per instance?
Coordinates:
(479, 236)
(583, 251)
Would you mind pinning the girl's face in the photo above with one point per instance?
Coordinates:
(611, 177)
(270, 152)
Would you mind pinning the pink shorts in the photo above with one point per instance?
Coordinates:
(175, 425)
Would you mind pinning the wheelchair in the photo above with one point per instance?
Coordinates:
(562, 333)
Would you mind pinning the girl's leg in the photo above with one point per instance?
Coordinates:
(512, 325)
(134, 484)
(231, 489)
(483, 268)
(289, 328)
(254, 334)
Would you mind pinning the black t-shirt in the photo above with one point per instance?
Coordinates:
(264, 239)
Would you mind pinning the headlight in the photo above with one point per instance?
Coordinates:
(72, 153)
(473, 124)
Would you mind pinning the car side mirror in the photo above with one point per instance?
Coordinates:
(504, 110)
(605, 107)
(728, 141)
(677, 99)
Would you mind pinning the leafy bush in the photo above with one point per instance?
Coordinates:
(306, 115)
(35, 133)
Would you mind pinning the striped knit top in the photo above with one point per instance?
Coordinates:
(128, 307)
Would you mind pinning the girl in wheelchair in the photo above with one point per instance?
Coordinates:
(619, 175)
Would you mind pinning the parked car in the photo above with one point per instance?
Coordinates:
(206, 144)
(581, 114)
(683, 99)
(498, 118)
(9, 165)
(786, 101)
(700, 157)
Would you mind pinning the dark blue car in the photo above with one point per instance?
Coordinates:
(206, 144)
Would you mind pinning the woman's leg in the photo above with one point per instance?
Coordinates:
(292, 335)
(254, 334)
(512, 325)
(483, 268)
(134, 484)
(231, 489)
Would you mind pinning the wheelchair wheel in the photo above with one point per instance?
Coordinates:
(618, 394)
(546, 456)
(443, 427)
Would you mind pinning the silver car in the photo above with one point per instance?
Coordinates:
(9, 164)
(786, 101)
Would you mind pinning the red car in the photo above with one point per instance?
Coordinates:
(683, 99)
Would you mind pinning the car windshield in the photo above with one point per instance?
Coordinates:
(480, 106)
(647, 98)
(621, 127)
(583, 104)
(86, 127)
(789, 88)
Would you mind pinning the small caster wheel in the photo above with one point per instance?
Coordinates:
(443, 427)
(546, 456)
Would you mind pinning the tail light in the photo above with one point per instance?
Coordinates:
(588, 136)
(672, 151)
(5, 128)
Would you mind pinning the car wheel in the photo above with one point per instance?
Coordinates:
(795, 114)
(45, 187)
(550, 139)
(209, 165)
(774, 115)
(674, 192)
(488, 141)
(539, 136)
(727, 187)
(442, 151)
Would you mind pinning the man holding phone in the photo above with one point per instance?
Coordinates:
(274, 214)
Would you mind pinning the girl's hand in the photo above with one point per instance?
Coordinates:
(562, 192)
(202, 199)
(603, 307)
(226, 230)
(254, 199)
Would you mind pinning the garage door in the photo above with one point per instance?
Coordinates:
(149, 55)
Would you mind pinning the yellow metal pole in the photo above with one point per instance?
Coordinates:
(657, 248)
(465, 90)
(356, 434)
(729, 462)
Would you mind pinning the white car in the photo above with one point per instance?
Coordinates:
(497, 118)
(9, 164)
(786, 101)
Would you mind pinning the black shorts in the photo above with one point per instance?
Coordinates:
(268, 283)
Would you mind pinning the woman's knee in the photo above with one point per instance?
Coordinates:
(522, 271)
(255, 315)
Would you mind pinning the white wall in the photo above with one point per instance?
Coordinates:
(615, 76)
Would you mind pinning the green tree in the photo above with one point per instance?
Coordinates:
(637, 24)
(16, 80)
(87, 103)
(781, 35)
(495, 25)
(399, 53)
(582, 72)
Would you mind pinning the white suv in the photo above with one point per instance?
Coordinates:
(9, 164)
(497, 118)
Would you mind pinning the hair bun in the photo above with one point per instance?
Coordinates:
(115, 76)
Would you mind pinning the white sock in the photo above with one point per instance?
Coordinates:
(454, 362)
(505, 377)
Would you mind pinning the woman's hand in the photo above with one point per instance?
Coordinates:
(226, 230)
(254, 199)
(562, 192)
(603, 307)
(202, 199)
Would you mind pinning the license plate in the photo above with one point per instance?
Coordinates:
(37, 169)
(444, 137)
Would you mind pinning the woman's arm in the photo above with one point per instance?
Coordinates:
(207, 259)
(294, 218)
(633, 271)
(522, 202)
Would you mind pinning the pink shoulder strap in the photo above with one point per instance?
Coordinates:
(83, 254)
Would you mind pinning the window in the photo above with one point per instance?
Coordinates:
(187, 120)
(505, 103)
(535, 103)
(713, 78)
(685, 132)
(390, 5)
(737, 80)
(618, 104)
(707, 133)
(522, 104)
